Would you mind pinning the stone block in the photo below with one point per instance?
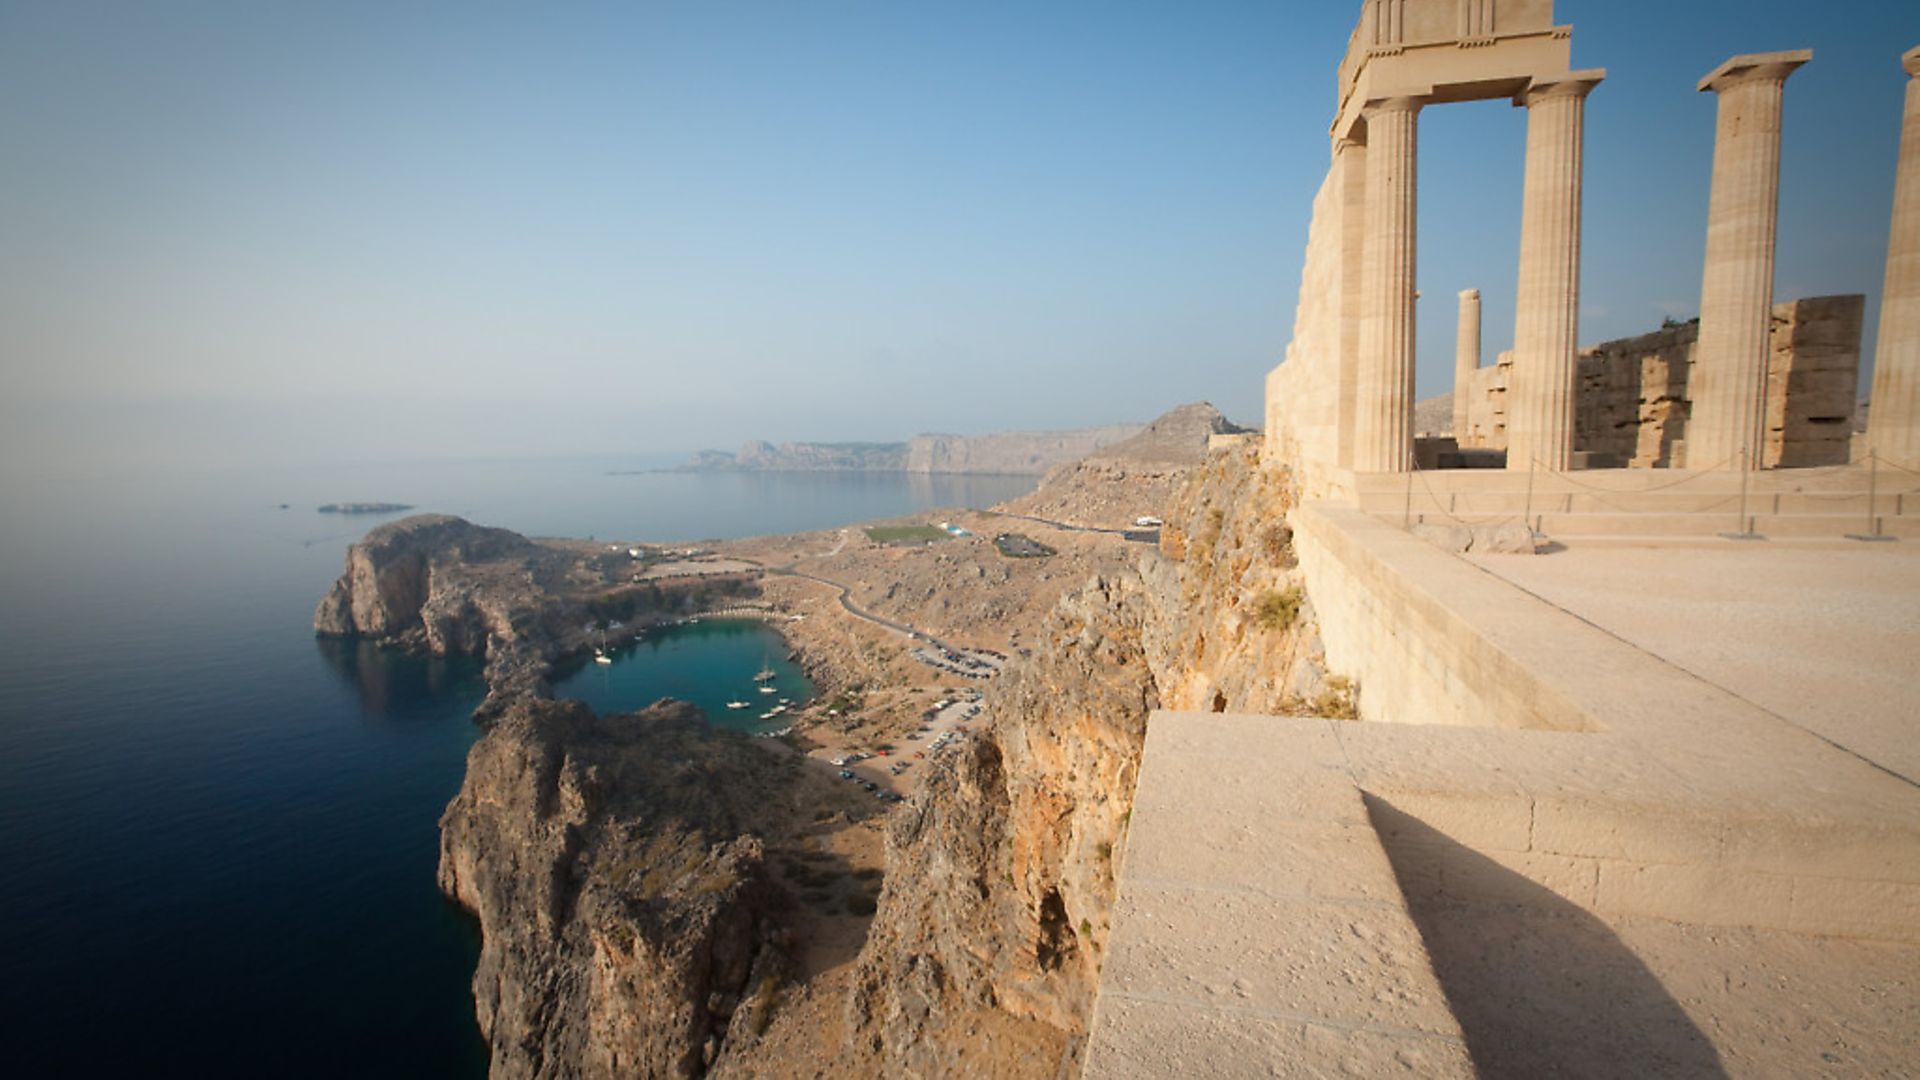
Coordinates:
(1489, 877)
(1345, 964)
(1185, 784)
(1706, 894)
(1636, 833)
(1883, 852)
(1146, 1039)
(1475, 821)
(1837, 907)
(1300, 740)
(1297, 859)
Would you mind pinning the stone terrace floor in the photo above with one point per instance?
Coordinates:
(1825, 636)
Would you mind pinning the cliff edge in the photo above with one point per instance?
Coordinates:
(628, 918)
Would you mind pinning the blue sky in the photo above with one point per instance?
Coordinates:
(308, 232)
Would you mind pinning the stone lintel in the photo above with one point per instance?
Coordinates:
(1450, 70)
(1750, 66)
(1576, 83)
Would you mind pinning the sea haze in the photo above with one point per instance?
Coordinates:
(221, 834)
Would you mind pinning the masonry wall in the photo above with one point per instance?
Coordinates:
(1303, 393)
(1631, 397)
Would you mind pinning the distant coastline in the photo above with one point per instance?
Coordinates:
(1020, 453)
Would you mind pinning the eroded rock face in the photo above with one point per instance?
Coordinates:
(403, 578)
(1000, 880)
(630, 926)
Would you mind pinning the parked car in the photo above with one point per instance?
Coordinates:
(846, 774)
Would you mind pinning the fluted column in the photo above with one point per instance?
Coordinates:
(1350, 157)
(1728, 380)
(1547, 309)
(1466, 361)
(1893, 424)
(1383, 418)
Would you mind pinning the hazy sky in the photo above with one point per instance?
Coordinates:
(272, 231)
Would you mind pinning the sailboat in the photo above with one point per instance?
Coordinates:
(767, 673)
(739, 705)
(600, 654)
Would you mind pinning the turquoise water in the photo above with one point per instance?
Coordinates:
(709, 663)
(219, 835)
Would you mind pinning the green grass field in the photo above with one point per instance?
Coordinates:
(906, 534)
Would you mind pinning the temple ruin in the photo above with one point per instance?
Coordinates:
(1744, 390)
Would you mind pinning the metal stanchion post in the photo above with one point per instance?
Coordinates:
(1526, 509)
(1873, 533)
(1743, 529)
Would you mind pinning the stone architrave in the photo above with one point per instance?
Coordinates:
(1547, 309)
(1893, 425)
(1383, 419)
(1466, 361)
(1728, 383)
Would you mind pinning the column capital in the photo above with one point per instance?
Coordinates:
(1394, 104)
(1469, 294)
(1344, 143)
(1911, 61)
(1754, 67)
(1574, 84)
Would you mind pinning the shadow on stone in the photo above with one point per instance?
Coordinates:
(1540, 986)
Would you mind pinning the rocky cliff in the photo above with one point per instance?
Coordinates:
(1000, 879)
(630, 927)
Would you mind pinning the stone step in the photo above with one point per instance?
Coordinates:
(1478, 504)
(1785, 526)
(1258, 920)
(1849, 479)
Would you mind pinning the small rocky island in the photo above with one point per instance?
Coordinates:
(364, 508)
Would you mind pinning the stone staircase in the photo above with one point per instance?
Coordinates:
(1657, 504)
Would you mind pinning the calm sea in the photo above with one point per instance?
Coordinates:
(219, 834)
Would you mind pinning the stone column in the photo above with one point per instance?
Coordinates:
(1893, 424)
(1728, 381)
(1466, 361)
(1383, 417)
(1350, 157)
(1547, 310)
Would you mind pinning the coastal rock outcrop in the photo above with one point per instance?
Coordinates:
(413, 576)
(630, 925)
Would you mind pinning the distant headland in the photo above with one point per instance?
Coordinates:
(1016, 453)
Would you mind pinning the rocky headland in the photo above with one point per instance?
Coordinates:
(441, 584)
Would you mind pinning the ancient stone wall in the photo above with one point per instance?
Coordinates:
(1303, 394)
(1631, 396)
